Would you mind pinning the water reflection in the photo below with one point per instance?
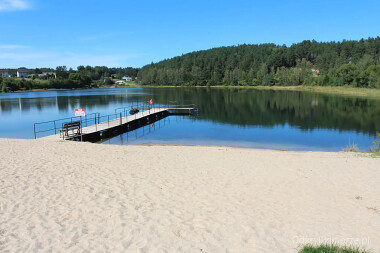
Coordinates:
(139, 134)
(66, 100)
(305, 110)
(235, 107)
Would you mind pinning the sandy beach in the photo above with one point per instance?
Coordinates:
(80, 197)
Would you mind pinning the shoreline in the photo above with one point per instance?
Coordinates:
(374, 154)
(365, 153)
(76, 196)
(336, 90)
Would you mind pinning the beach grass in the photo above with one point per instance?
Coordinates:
(339, 90)
(325, 248)
(351, 148)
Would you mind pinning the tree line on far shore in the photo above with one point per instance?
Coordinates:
(353, 63)
(63, 78)
(346, 63)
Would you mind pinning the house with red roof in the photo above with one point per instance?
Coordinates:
(22, 73)
(4, 72)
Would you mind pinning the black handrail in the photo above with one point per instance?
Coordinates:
(97, 118)
(54, 122)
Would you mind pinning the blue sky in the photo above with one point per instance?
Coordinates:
(116, 33)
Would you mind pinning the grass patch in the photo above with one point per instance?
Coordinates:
(375, 150)
(331, 249)
(340, 90)
(351, 148)
(375, 154)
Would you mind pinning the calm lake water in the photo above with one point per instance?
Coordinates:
(288, 120)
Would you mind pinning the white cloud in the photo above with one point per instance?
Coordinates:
(10, 46)
(14, 5)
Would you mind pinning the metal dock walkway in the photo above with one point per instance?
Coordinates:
(96, 127)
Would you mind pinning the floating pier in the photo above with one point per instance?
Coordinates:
(95, 127)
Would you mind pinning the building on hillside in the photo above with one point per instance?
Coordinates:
(22, 73)
(47, 75)
(127, 78)
(120, 83)
(315, 72)
(4, 72)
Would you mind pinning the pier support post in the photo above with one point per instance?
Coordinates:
(96, 126)
(81, 135)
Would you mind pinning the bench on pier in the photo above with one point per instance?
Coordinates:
(70, 129)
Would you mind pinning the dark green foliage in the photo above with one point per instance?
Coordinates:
(66, 79)
(331, 249)
(61, 72)
(11, 84)
(96, 73)
(354, 63)
(107, 81)
(74, 81)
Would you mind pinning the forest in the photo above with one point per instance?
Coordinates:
(346, 63)
(63, 78)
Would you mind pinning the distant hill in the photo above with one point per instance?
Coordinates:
(354, 63)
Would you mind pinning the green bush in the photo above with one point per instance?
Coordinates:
(331, 249)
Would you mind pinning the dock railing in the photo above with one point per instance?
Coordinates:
(55, 126)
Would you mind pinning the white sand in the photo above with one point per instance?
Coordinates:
(70, 197)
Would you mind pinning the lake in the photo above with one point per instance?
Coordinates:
(276, 119)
